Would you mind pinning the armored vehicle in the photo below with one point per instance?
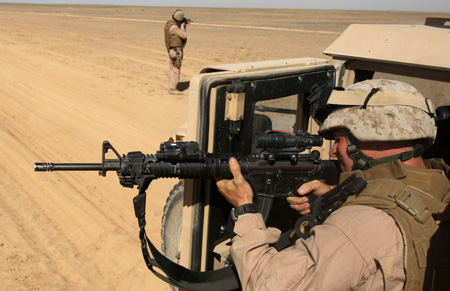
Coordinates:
(229, 104)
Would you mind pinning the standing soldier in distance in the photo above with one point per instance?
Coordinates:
(175, 37)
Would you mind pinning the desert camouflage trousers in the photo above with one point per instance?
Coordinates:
(176, 58)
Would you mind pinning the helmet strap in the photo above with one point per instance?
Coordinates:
(416, 152)
(360, 160)
(364, 162)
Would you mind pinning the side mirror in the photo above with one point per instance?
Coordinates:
(442, 113)
(442, 143)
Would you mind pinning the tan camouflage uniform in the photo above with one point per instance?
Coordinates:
(174, 62)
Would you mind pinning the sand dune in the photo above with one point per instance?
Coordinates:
(73, 76)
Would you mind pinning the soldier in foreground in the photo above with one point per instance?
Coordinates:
(175, 38)
(379, 238)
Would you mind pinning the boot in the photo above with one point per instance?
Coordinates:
(175, 92)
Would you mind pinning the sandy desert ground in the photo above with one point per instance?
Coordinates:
(73, 76)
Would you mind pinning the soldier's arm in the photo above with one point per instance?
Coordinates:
(180, 32)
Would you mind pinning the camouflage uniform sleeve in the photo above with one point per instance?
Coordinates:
(175, 30)
(340, 255)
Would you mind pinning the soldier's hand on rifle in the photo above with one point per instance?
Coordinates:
(301, 202)
(236, 191)
(185, 23)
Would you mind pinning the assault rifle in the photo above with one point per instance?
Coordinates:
(277, 171)
(187, 20)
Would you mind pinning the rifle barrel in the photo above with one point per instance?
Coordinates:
(43, 167)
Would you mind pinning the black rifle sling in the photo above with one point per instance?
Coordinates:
(328, 203)
(222, 280)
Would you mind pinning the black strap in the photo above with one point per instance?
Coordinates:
(372, 92)
(222, 280)
(417, 152)
(285, 240)
(328, 203)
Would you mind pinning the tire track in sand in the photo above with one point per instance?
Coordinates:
(70, 227)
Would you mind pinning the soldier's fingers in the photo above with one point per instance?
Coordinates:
(302, 208)
(305, 212)
(297, 200)
(315, 187)
(224, 184)
(235, 169)
(306, 188)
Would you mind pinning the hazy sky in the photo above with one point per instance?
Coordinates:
(401, 5)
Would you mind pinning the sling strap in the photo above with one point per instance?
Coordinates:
(221, 280)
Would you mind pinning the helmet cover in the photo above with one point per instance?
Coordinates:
(397, 112)
(178, 15)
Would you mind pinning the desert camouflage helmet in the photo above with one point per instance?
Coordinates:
(178, 15)
(382, 110)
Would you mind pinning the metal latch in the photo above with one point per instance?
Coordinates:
(235, 101)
